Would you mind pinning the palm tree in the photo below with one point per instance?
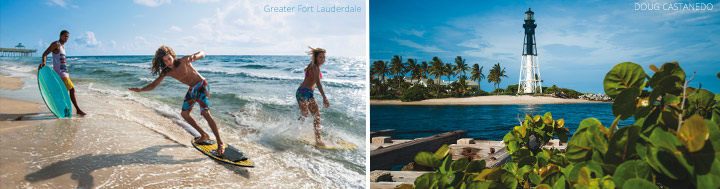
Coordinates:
(460, 66)
(476, 74)
(414, 69)
(462, 85)
(380, 68)
(397, 67)
(496, 75)
(449, 71)
(424, 69)
(437, 69)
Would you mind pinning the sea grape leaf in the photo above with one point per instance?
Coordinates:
(522, 153)
(480, 185)
(592, 122)
(622, 145)
(475, 166)
(669, 84)
(490, 175)
(445, 166)
(707, 160)
(535, 179)
(560, 183)
(693, 133)
(594, 170)
(427, 159)
(429, 180)
(583, 176)
(512, 143)
(638, 183)
(667, 69)
(632, 169)
(623, 76)
(624, 104)
(553, 178)
(607, 182)
(587, 138)
(701, 99)
(529, 160)
(443, 151)
(665, 157)
(508, 180)
(547, 119)
(459, 165)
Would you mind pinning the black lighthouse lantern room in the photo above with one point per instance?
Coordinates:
(529, 26)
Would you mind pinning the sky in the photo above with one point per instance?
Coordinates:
(577, 42)
(218, 27)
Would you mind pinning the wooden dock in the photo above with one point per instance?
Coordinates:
(385, 132)
(385, 157)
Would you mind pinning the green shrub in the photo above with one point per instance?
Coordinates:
(415, 93)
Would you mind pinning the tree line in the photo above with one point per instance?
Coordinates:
(396, 86)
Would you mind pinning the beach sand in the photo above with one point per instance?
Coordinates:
(123, 143)
(10, 83)
(484, 100)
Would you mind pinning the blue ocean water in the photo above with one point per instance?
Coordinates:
(252, 96)
(482, 122)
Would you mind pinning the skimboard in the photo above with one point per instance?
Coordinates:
(331, 143)
(54, 93)
(232, 155)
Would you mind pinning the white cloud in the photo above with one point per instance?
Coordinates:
(114, 44)
(425, 48)
(412, 32)
(205, 1)
(141, 41)
(175, 29)
(152, 3)
(242, 27)
(88, 40)
(60, 3)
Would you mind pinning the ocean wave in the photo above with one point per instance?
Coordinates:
(144, 66)
(256, 66)
(296, 79)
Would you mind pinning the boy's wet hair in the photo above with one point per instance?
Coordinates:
(158, 65)
(64, 32)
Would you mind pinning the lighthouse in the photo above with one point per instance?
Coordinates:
(529, 81)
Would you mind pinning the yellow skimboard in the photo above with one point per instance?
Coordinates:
(232, 155)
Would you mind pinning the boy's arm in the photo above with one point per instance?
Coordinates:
(150, 86)
(193, 57)
(50, 49)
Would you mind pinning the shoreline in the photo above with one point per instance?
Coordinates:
(486, 100)
(124, 142)
(10, 83)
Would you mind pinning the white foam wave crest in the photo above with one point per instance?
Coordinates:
(291, 76)
(286, 134)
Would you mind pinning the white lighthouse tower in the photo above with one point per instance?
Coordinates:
(529, 81)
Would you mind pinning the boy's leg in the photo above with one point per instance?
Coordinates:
(71, 88)
(213, 126)
(186, 115)
(203, 99)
